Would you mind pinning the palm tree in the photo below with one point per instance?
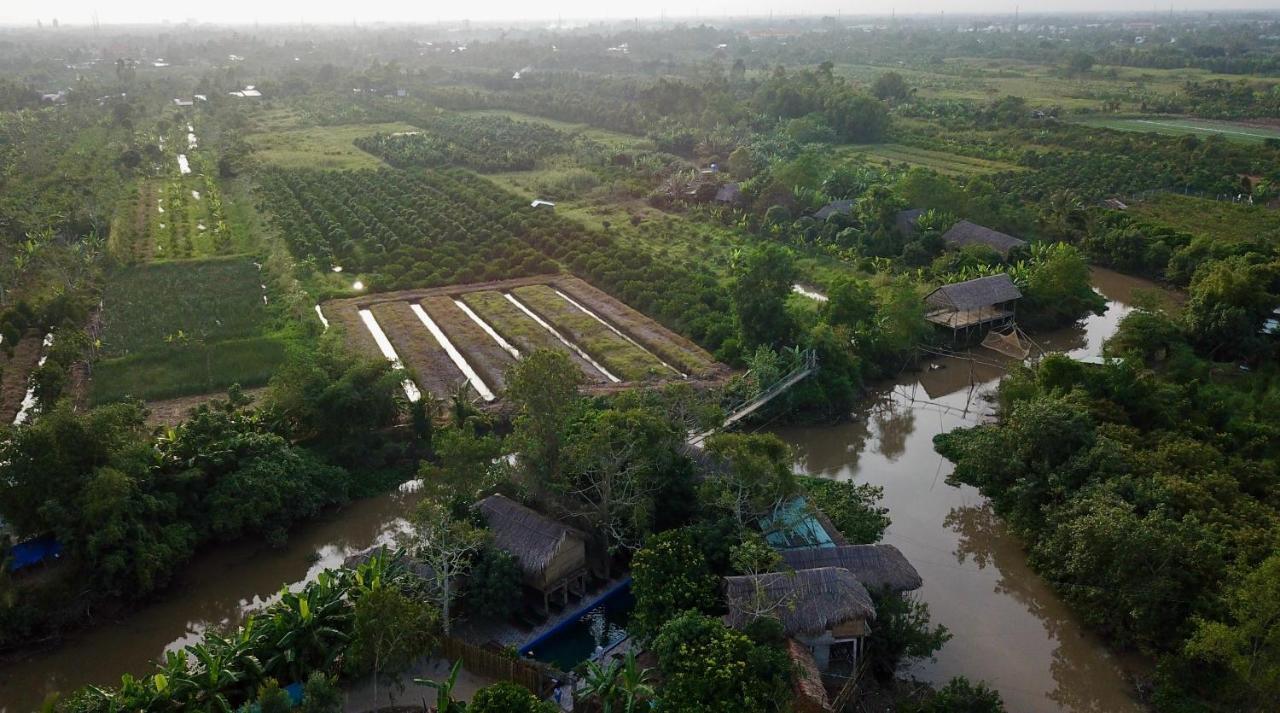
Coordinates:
(635, 684)
(308, 631)
(444, 690)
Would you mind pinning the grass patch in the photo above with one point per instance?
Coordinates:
(619, 356)
(170, 371)
(1174, 126)
(146, 306)
(945, 163)
(1216, 220)
(322, 147)
(613, 139)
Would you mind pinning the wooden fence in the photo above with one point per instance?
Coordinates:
(494, 664)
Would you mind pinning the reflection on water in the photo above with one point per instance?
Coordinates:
(1010, 628)
(216, 591)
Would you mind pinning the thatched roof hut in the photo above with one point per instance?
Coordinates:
(965, 233)
(548, 552)
(842, 207)
(810, 602)
(876, 566)
(973, 302)
(907, 221)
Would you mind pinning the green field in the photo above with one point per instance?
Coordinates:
(1218, 220)
(945, 163)
(613, 139)
(321, 147)
(1174, 126)
(184, 327)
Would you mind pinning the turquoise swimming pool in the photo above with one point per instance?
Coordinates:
(595, 627)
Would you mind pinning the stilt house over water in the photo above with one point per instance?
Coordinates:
(984, 302)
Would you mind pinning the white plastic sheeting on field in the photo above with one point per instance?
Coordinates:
(29, 401)
(183, 167)
(460, 361)
(388, 351)
(506, 346)
(618, 332)
(811, 294)
(578, 350)
(323, 321)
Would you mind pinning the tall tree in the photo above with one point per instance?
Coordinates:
(762, 281)
(391, 631)
(446, 545)
(543, 386)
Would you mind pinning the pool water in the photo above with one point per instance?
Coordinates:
(596, 627)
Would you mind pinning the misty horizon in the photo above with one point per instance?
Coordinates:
(490, 12)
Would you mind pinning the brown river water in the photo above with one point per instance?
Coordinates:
(1009, 628)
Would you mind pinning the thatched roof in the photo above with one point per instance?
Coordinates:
(811, 601)
(832, 208)
(729, 193)
(972, 294)
(876, 566)
(810, 694)
(533, 538)
(905, 221)
(965, 233)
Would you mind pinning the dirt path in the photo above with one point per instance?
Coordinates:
(17, 374)
(171, 412)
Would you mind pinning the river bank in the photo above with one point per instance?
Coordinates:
(1010, 629)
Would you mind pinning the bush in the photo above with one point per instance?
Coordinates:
(507, 697)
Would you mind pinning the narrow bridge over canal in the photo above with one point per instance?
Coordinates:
(806, 368)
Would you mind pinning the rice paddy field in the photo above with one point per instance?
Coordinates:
(488, 325)
(945, 163)
(1177, 126)
(177, 328)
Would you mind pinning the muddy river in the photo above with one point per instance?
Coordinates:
(1009, 628)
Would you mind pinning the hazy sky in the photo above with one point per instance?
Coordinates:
(344, 11)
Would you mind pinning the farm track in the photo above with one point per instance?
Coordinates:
(516, 327)
(618, 355)
(484, 355)
(422, 355)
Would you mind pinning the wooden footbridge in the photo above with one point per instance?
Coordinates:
(807, 366)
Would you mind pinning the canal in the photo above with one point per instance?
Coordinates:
(1009, 628)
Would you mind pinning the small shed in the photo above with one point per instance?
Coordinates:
(965, 233)
(552, 556)
(907, 221)
(973, 303)
(876, 566)
(834, 208)
(729, 194)
(820, 608)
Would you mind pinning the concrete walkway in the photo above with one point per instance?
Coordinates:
(359, 696)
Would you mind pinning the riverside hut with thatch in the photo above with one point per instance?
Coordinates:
(877, 567)
(821, 608)
(984, 302)
(964, 233)
(552, 556)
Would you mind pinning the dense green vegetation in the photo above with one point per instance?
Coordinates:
(690, 166)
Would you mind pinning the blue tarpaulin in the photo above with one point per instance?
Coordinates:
(295, 693)
(33, 552)
(793, 525)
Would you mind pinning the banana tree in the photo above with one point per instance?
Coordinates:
(444, 690)
(308, 630)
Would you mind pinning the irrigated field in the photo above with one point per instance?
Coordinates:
(488, 325)
(946, 163)
(184, 327)
(1176, 126)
